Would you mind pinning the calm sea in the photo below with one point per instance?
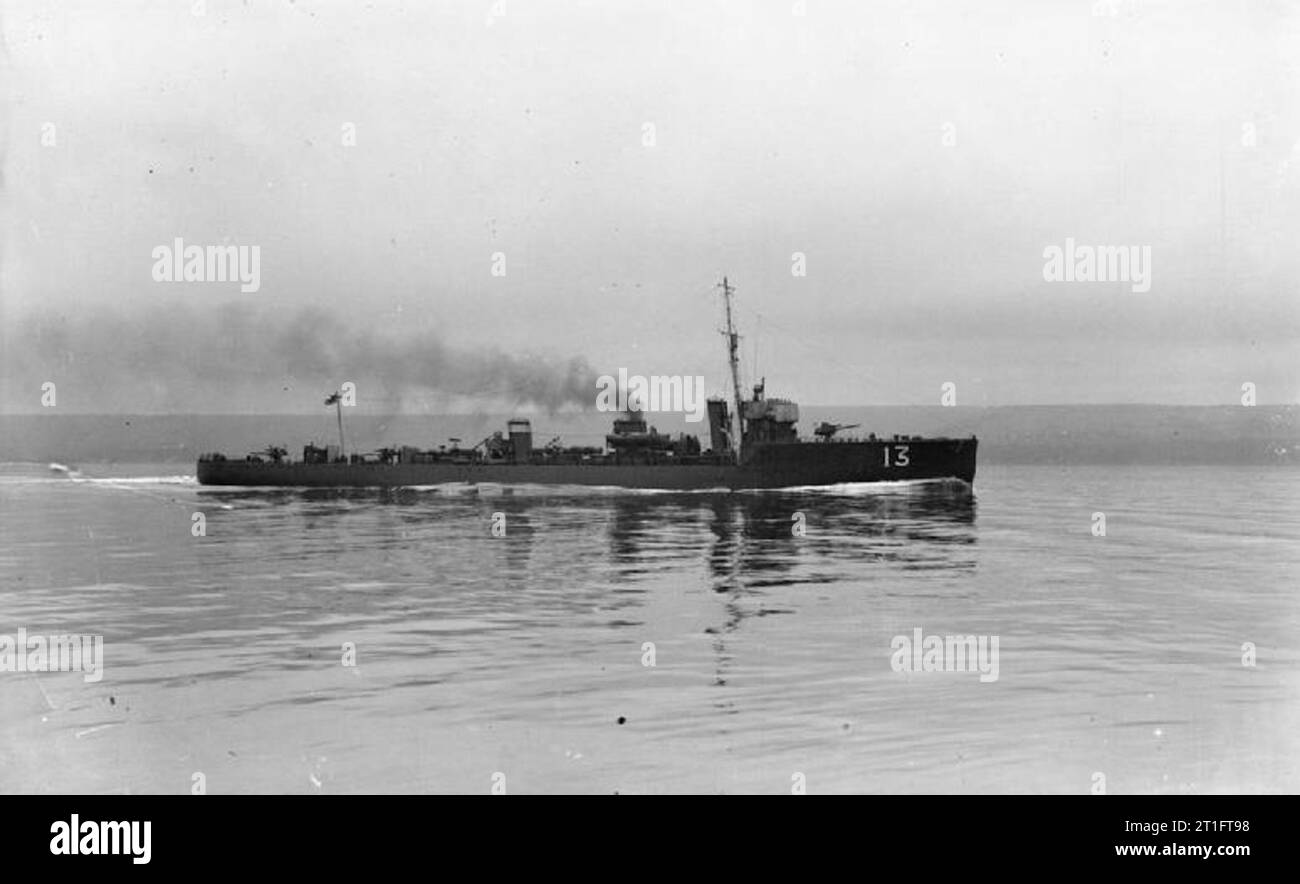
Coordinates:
(639, 642)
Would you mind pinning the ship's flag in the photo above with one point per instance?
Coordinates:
(333, 397)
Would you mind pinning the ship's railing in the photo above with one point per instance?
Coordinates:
(890, 440)
(539, 458)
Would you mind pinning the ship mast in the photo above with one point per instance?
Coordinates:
(733, 348)
(336, 399)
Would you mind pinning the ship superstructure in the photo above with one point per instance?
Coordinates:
(756, 445)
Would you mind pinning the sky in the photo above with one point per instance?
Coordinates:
(616, 160)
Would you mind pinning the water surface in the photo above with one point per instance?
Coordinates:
(479, 655)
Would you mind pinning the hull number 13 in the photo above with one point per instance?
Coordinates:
(900, 458)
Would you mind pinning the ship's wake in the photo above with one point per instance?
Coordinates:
(151, 486)
(76, 475)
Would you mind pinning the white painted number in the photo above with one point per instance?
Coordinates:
(900, 456)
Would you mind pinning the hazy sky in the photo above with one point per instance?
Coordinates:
(920, 155)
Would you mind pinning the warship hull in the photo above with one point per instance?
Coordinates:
(793, 465)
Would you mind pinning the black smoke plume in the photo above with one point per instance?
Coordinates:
(236, 359)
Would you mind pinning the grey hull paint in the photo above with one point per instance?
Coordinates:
(775, 466)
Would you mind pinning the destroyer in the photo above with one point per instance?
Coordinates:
(754, 446)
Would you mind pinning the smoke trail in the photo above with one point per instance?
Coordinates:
(244, 359)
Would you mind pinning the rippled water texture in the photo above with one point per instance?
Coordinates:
(520, 655)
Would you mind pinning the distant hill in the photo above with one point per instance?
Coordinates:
(1101, 434)
(1048, 434)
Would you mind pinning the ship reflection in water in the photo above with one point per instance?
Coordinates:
(762, 609)
(734, 556)
(757, 547)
